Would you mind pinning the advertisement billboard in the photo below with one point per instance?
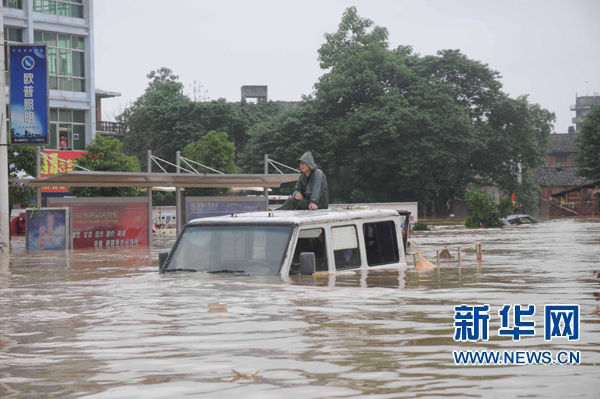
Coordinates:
(48, 228)
(28, 94)
(55, 164)
(202, 207)
(107, 222)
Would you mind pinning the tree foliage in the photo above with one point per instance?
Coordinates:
(215, 150)
(165, 120)
(21, 161)
(484, 212)
(588, 157)
(105, 154)
(387, 124)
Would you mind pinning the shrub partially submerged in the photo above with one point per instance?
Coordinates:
(485, 212)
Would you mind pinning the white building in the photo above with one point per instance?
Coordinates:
(67, 28)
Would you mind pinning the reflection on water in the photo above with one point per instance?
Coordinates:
(105, 324)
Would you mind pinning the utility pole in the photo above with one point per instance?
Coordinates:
(266, 192)
(178, 194)
(150, 210)
(4, 206)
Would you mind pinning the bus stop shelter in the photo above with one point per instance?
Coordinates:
(150, 180)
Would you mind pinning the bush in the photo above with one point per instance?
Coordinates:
(484, 212)
(419, 226)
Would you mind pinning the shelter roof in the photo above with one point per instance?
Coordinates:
(141, 179)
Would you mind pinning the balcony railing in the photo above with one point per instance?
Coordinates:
(110, 128)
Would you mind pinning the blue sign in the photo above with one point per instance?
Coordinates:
(28, 94)
(47, 229)
(202, 207)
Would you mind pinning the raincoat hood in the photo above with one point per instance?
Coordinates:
(308, 159)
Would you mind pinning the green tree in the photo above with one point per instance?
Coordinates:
(588, 157)
(213, 150)
(390, 125)
(484, 212)
(21, 160)
(161, 119)
(165, 120)
(105, 154)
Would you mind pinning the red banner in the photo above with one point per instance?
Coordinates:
(109, 225)
(56, 164)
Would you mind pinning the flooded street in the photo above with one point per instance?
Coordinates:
(105, 324)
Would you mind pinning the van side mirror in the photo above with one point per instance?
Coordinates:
(162, 258)
(308, 264)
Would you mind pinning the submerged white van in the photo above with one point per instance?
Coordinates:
(291, 242)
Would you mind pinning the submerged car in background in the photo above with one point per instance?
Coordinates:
(291, 242)
(516, 220)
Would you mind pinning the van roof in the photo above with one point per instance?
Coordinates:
(296, 217)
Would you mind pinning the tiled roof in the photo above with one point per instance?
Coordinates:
(563, 143)
(549, 176)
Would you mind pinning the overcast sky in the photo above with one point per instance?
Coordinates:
(548, 49)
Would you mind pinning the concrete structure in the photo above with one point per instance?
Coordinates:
(582, 106)
(563, 149)
(67, 28)
(258, 92)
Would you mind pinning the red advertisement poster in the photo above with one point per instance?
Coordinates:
(110, 225)
(56, 164)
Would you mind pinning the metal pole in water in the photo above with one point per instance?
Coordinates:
(266, 192)
(178, 195)
(38, 174)
(415, 260)
(458, 256)
(150, 210)
(4, 201)
(437, 257)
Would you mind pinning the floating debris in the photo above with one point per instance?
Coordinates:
(422, 263)
(445, 254)
(242, 376)
(217, 307)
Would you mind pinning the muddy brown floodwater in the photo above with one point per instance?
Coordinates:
(105, 324)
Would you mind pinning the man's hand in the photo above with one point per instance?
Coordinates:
(313, 206)
(298, 196)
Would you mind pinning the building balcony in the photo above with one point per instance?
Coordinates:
(110, 128)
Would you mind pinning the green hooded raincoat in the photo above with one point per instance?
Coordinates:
(312, 187)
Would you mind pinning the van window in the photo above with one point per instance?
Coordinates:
(311, 240)
(381, 243)
(345, 247)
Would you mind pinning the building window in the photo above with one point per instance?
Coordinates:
(13, 3)
(345, 247)
(67, 8)
(381, 243)
(66, 60)
(67, 129)
(11, 36)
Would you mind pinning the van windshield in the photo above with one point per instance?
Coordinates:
(246, 250)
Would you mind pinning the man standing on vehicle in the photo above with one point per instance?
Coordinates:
(311, 188)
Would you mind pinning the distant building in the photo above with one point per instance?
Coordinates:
(563, 149)
(67, 28)
(554, 179)
(582, 106)
(580, 200)
(259, 92)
